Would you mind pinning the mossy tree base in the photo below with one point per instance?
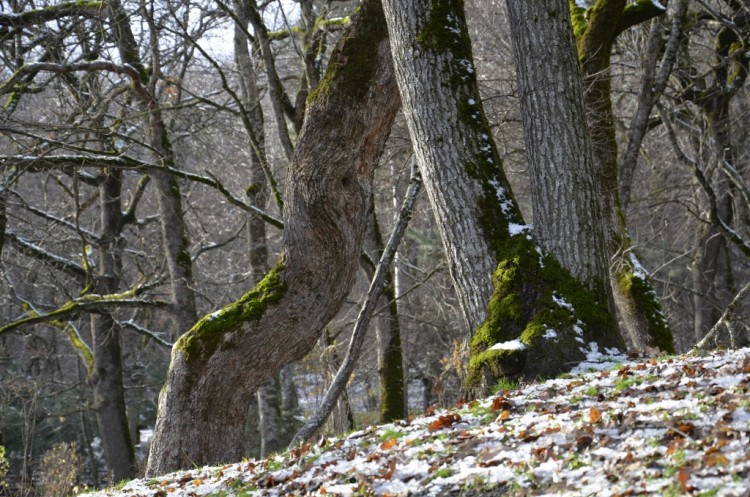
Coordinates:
(541, 321)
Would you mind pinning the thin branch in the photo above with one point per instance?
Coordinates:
(33, 163)
(725, 319)
(50, 13)
(36, 252)
(360, 328)
(145, 332)
(90, 303)
(223, 243)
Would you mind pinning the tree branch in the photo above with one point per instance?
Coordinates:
(724, 320)
(50, 13)
(91, 303)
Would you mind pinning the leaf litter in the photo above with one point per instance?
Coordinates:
(677, 425)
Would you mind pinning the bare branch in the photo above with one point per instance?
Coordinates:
(49, 13)
(725, 319)
(91, 303)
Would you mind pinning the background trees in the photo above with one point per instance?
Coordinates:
(208, 98)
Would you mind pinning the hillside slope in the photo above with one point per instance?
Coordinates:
(672, 426)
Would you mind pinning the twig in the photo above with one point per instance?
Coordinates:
(725, 319)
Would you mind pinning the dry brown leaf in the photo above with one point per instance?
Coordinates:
(595, 415)
(715, 459)
(444, 422)
(682, 477)
(390, 443)
(504, 416)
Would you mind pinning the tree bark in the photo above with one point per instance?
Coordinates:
(567, 215)
(106, 377)
(481, 225)
(218, 365)
(595, 31)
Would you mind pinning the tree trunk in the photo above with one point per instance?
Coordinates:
(712, 276)
(388, 332)
(106, 377)
(220, 363)
(175, 242)
(596, 30)
(480, 223)
(268, 395)
(567, 215)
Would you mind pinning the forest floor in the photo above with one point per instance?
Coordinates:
(677, 425)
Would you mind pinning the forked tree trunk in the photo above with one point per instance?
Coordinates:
(535, 307)
(220, 363)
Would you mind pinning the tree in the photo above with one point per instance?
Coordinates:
(210, 381)
(536, 308)
(596, 29)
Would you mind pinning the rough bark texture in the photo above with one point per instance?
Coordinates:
(219, 364)
(567, 215)
(454, 155)
(106, 376)
(595, 30)
(483, 231)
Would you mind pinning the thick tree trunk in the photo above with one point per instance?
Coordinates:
(480, 223)
(638, 310)
(106, 376)
(567, 215)
(220, 363)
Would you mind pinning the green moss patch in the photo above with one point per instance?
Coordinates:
(207, 334)
(552, 314)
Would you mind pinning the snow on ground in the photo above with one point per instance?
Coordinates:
(670, 426)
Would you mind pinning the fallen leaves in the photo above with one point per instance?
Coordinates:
(444, 421)
(666, 427)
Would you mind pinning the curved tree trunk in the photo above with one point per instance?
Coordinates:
(220, 363)
(487, 242)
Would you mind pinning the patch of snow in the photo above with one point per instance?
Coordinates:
(562, 302)
(517, 229)
(549, 333)
(509, 345)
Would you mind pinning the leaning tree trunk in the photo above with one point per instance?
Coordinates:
(219, 364)
(536, 307)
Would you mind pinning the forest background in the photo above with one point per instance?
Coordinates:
(107, 259)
